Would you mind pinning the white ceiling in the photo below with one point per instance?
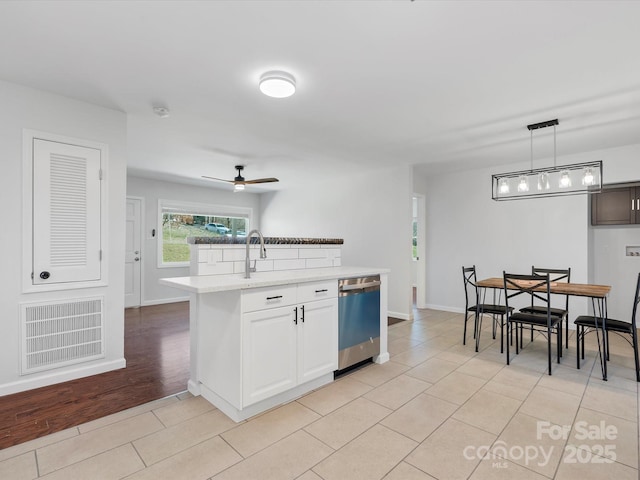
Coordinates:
(439, 84)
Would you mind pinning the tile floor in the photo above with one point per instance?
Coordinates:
(436, 410)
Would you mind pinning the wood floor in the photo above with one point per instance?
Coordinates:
(156, 348)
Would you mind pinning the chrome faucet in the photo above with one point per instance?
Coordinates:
(263, 254)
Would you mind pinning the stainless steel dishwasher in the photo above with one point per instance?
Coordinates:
(358, 320)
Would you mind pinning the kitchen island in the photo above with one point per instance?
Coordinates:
(262, 341)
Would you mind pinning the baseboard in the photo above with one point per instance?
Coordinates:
(162, 301)
(401, 316)
(445, 308)
(44, 379)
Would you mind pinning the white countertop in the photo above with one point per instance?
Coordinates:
(236, 281)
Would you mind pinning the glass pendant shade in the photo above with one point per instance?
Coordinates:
(543, 181)
(523, 184)
(588, 178)
(565, 179)
(504, 186)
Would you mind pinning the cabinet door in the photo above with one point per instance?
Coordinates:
(318, 339)
(615, 206)
(269, 353)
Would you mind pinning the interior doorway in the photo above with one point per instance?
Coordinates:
(133, 254)
(419, 251)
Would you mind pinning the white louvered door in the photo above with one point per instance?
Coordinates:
(66, 213)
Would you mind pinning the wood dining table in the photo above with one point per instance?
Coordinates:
(598, 295)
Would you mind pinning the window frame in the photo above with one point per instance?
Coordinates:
(192, 208)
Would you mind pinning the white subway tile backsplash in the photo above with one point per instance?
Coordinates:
(312, 253)
(282, 253)
(333, 252)
(221, 259)
(293, 264)
(219, 268)
(233, 255)
(318, 262)
(337, 262)
(263, 265)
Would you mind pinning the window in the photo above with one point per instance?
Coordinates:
(178, 221)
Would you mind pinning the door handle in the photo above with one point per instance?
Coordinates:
(137, 259)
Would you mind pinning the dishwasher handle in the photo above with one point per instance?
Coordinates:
(360, 286)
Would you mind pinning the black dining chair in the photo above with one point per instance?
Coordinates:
(587, 323)
(473, 307)
(555, 275)
(537, 286)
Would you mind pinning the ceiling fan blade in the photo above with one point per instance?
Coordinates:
(218, 179)
(261, 180)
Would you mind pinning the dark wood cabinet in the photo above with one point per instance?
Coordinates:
(618, 205)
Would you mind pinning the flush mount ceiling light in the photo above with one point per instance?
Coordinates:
(277, 84)
(548, 182)
(162, 112)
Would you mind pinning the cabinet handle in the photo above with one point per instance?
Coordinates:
(295, 315)
(638, 204)
(302, 316)
(632, 206)
(274, 298)
(323, 290)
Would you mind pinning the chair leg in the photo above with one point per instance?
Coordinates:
(464, 334)
(578, 346)
(559, 341)
(480, 315)
(532, 333)
(501, 333)
(634, 336)
(493, 325)
(560, 337)
(509, 332)
(549, 348)
(566, 328)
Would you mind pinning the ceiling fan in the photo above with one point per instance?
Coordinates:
(239, 181)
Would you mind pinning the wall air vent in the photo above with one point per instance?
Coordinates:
(55, 334)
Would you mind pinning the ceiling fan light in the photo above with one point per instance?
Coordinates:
(277, 84)
(238, 187)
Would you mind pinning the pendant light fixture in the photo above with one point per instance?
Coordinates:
(548, 182)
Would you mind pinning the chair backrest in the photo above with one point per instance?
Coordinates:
(536, 286)
(470, 287)
(555, 275)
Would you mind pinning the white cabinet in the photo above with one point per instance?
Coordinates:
(318, 339)
(290, 337)
(269, 360)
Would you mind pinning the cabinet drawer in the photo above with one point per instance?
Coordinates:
(268, 297)
(308, 292)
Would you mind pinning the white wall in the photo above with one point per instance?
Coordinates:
(371, 212)
(607, 244)
(25, 108)
(465, 227)
(153, 190)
